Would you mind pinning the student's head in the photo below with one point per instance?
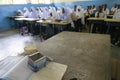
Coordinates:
(51, 14)
(37, 8)
(63, 10)
(116, 6)
(31, 9)
(93, 6)
(75, 7)
(105, 6)
(25, 9)
(119, 6)
(100, 9)
(78, 9)
(90, 7)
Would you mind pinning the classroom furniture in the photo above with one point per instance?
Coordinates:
(12, 20)
(30, 21)
(87, 55)
(112, 22)
(60, 25)
(93, 20)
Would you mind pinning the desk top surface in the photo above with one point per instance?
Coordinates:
(53, 22)
(27, 19)
(93, 18)
(15, 16)
(112, 20)
(87, 55)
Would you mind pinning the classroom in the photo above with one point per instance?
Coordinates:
(60, 40)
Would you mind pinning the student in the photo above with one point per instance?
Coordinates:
(105, 9)
(75, 18)
(100, 13)
(38, 12)
(117, 14)
(80, 18)
(99, 27)
(93, 11)
(20, 13)
(54, 13)
(33, 13)
(65, 16)
(114, 8)
(115, 30)
(26, 12)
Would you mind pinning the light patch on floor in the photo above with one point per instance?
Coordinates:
(13, 45)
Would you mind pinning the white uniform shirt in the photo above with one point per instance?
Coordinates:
(106, 11)
(117, 15)
(101, 15)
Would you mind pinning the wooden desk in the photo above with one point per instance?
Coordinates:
(93, 20)
(112, 20)
(87, 55)
(112, 23)
(53, 22)
(27, 19)
(15, 17)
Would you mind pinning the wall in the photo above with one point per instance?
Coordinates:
(10, 10)
(85, 3)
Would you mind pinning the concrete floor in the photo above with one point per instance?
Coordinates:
(12, 43)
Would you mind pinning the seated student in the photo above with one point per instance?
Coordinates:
(53, 13)
(80, 16)
(26, 12)
(99, 27)
(19, 13)
(114, 8)
(115, 30)
(35, 28)
(105, 9)
(75, 18)
(117, 13)
(65, 16)
(33, 13)
(93, 11)
(38, 12)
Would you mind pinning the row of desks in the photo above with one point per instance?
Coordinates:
(43, 21)
(109, 22)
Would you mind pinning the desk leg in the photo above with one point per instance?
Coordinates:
(108, 27)
(91, 28)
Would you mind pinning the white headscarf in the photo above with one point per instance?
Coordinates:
(80, 14)
(33, 13)
(20, 13)
(26, 12)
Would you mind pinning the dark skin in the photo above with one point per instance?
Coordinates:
(99, 10)
(75, 8)
(105, 7)
(63, 10)
(50, 14)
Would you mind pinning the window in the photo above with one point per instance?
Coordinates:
(41, 1)
(19, 1)
(25, 1)
(48, 1)
(5, 1)
(34, 1)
